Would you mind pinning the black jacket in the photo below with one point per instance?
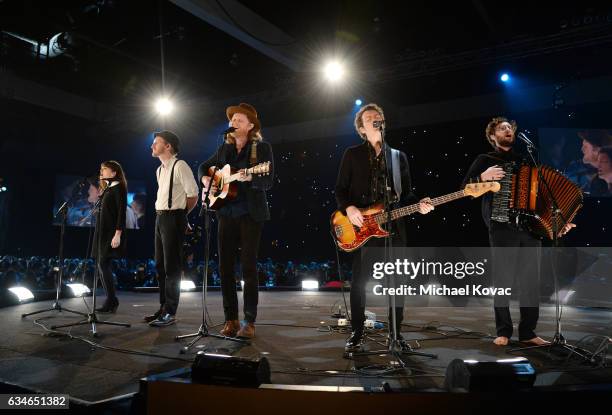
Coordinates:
(353, 186)
(483, 162)
(255, 189)
(111, 217)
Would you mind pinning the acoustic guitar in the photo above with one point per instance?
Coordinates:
(224, 180)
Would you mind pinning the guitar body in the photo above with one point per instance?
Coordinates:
(227, 191)
(348, 237)
(224, 179)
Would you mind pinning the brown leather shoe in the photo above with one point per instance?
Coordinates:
(247, 331)
(230, 328)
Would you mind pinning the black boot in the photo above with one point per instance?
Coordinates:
(110, 306)
(355, 342)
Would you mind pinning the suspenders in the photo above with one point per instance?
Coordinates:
(171, 182)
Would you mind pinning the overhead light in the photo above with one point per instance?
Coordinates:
(504, 77)
(78, 289)
(187, 285)
(22, 294)
(333, 71)
(164, 106)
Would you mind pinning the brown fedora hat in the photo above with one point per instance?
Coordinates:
(247, 110)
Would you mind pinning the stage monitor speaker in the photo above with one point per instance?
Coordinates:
(220, 369)
(500, 375)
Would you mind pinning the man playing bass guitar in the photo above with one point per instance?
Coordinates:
(360, 184)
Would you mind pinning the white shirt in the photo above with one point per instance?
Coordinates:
(183, 186)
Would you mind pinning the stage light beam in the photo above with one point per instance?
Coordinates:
(22, 294)
(187, 285)
(78, 290)
(310, 285)
(504, 77)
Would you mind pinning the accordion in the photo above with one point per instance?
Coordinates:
(524, 199)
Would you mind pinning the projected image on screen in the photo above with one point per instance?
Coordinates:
(583, 155)
(81, 195)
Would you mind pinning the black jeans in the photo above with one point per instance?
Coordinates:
(358, 289)
(106, 277)
(521, 267)
(169, 236)
(239, 238)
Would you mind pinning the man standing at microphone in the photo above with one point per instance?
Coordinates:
(500, 133)
(177, 195)
(241, 219)
(361, 183)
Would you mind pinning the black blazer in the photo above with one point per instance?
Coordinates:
(256, 189)
(110, 217)
(354, 178)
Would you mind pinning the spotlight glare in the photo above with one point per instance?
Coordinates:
(358, 102)
(164, 106)
(504, 77)
(78, 290)
(334, 71)
(310, 285)
(22, 293)
(187, 285)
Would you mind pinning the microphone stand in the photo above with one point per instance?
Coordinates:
(92, 317)
(395, 347)
(203, 329)
(558, 340)
(57, 306)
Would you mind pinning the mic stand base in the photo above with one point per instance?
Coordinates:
(92, 318)
(396, 348)
(203, 332)
(57, 306)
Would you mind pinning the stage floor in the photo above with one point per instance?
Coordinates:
(293, 332)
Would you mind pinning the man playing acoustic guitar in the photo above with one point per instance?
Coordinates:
(241, 219)
(361, 184)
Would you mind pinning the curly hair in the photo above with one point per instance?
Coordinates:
(492, 125)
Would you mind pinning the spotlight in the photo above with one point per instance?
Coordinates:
(310, 285)
(504, 77)
(78, 290)
(333, 71)
(358, 102)
(164, 106)
(187, 285)
(22, 294)
(3, 189)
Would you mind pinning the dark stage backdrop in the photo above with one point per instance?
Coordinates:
(38, 145)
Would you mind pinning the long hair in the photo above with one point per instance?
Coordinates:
(251, 136)
(120, 175)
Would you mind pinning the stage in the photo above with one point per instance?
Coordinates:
(295, 331)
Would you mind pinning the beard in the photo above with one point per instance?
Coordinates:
(505, 141)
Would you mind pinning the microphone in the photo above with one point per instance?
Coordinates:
(526, 140)
(379, 124)
(229, 130)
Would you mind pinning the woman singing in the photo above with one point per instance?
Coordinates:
(109, 241)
